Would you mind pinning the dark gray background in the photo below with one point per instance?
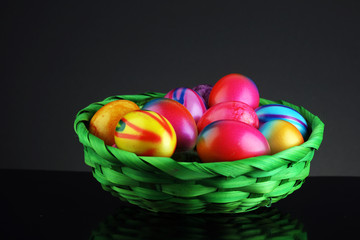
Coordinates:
(61, 56)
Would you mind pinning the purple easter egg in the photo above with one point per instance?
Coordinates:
(190, 99)
(204, 91)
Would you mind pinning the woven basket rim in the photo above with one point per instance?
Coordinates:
(313, 141)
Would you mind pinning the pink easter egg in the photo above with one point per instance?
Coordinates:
(230, 140)
(190, 99)
(179, 117)
(235, 87)
(238, 111)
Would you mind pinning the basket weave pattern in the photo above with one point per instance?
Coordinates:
(183, 184)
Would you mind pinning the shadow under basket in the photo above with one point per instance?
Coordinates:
(183, 184)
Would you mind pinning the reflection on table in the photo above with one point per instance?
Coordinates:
(136, 223)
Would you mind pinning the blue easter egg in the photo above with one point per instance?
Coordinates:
(270, 112)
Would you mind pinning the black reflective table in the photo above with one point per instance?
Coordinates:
(72, 205)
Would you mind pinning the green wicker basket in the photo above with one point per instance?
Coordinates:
(183, 184)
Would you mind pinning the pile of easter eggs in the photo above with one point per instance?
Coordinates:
(223, 122)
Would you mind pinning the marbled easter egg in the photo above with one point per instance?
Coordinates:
(235, 87)
(189, 99)
(270, 112)
(145, 133)
(281, 135)
(230, 140)
(229, 110)
(179, 117)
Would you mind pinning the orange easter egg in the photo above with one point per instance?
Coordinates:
(104, 121)
(281, 135)
(145, 133)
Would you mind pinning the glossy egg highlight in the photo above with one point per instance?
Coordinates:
(230, 140)
(270, 112)
(145, 133)
(189, 99)
(281, 135)
(235, 87)
(179, 117)
(238, 111)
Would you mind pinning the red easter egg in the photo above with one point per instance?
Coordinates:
(238, 111)
(230, 140)
(179, 117)
(235, 87)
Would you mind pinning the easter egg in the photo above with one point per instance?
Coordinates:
(145, 133)
(270, 112)
(229, 110)
(204, 91)
(230, 140)
(104, 121)
(189, 99)
(235, 87)
(179, 117)
(281, 135)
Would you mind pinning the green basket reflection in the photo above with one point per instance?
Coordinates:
(135, 223)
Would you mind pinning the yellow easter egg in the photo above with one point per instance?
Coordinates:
(145, 133)
(281, 135)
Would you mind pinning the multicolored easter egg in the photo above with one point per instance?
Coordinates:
(281, 135)
(270, 112)
(190, 99)
(145, 133)
(104, 121)
(230, 140)
(179, 117)
(238, 111)
(235, 87)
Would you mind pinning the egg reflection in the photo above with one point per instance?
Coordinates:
(136, 223)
